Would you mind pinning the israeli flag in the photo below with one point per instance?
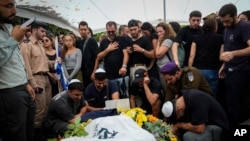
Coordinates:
(59, 70)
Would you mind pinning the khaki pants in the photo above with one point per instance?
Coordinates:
(42, 100)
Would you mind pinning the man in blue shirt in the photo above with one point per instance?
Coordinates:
(16, 107)
(102, 89)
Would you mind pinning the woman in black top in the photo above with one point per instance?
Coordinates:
(51, 54)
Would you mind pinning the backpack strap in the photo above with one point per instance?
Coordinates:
(108, 89)
(169, 58)
(84, 44)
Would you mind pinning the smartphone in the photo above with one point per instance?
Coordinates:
(38, 90)
(28, 22)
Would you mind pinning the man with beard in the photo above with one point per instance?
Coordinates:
(102, 89)
(236, 67)
(140, 49)
(183, 79)
(186, 35)
(37, 68)
(16, 96)
(113, 51)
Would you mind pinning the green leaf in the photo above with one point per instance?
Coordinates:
(82, 133)
(77, 120)
(71, 126)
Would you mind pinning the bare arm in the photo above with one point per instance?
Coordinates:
(132, 100)
(97, 61)
(123, 69)
(152, 97)
(161, 50)
(82, 112)
(229, 55)
(192, 54)
(175, 52)
(189, 127)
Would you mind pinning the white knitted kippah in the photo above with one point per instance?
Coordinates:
(74, 80)
(167, 109)
(100, 70)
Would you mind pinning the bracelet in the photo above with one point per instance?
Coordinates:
(124, 65)
(143, 51)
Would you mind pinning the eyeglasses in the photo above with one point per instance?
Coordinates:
(111, 32)
(9, 6)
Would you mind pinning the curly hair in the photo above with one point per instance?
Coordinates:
(169, 31)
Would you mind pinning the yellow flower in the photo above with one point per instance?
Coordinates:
(173, 138)
(137, 114)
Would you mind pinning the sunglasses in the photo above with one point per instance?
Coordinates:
(111, 32)
(46, 40)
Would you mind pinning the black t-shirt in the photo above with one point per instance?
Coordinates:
(202, 108)
(186, 34)
(88, 56)
(139, 58)
(154, 86)
(208, 50)
(63, 108)
(235, 39)
(113, 60)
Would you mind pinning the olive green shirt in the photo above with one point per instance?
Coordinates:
(191, 78)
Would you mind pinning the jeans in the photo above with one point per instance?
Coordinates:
(211, 133)
(212, 79)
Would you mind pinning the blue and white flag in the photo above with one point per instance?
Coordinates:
(59, 70)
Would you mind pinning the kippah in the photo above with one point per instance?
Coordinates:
(74, 80)
(169, 67)
(100, 70)
(167, 109)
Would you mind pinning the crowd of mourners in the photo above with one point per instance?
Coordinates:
(194, 77)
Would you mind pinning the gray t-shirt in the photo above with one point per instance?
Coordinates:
(161, 61)
(72, 62)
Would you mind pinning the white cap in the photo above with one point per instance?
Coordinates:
(74, 80)
(100, 70)
(167, 109)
